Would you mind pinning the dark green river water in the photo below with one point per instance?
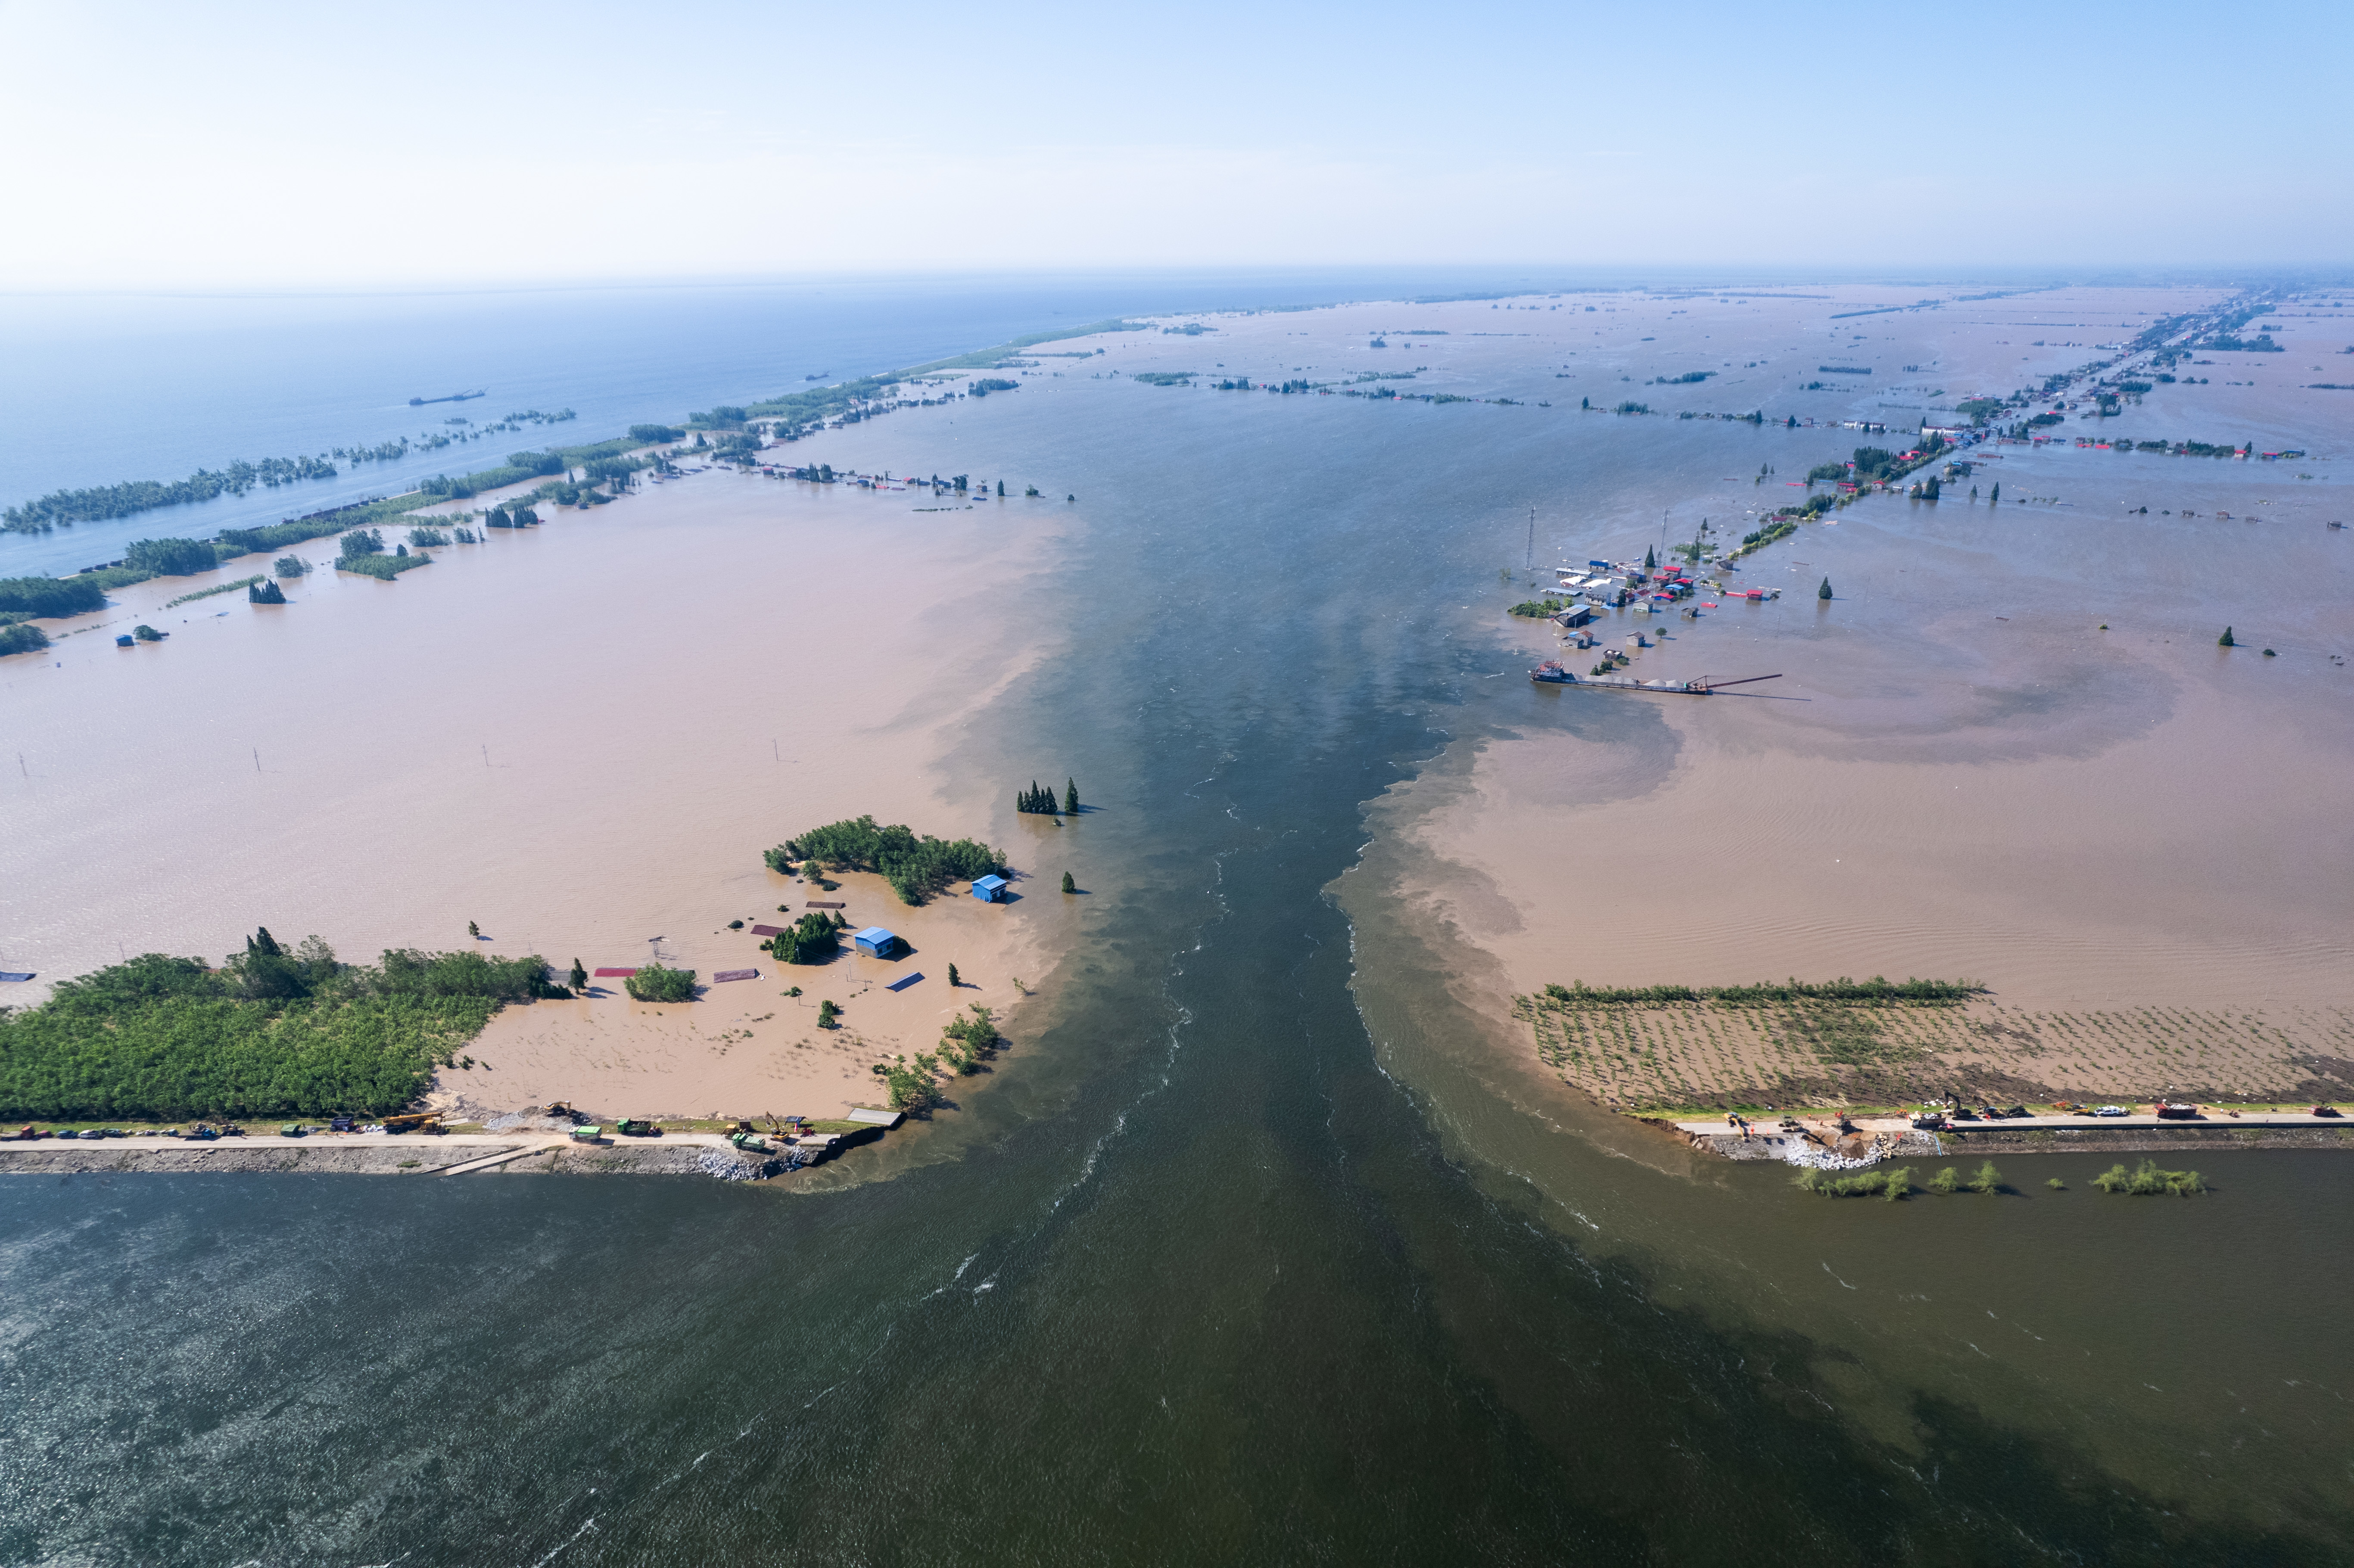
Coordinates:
(1214, 1272)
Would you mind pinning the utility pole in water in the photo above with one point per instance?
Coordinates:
(1533, 539)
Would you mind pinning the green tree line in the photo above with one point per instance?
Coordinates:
(272, 1032)
(51, 596)
(99, 503)
(1040, 800)
(1876, 989)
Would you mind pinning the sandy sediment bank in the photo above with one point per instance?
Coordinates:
(580, 738)
(2026, 804)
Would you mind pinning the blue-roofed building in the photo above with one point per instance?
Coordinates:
(989, 889)
(874, 941)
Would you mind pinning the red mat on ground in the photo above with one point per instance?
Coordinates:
(768, 930)
(615, 974)
(737, 974)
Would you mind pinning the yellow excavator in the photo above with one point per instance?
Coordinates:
(415, 1121)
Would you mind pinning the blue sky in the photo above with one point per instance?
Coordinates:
(267, 144)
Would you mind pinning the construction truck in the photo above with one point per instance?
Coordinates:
(414, 1121)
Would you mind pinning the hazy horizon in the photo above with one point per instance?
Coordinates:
(281, 148)
(1472, 278)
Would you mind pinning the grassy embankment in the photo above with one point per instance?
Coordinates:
(270, 1032)
(207, 593)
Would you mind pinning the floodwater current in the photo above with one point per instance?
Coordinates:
(1213, 1273)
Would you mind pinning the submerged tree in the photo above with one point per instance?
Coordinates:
(2225, 640)
(813, 939)
(655, 982)
(1070, 797)
(1070, 885)
(1824, 591)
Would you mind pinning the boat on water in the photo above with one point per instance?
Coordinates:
(453, 398)
(1552, 673)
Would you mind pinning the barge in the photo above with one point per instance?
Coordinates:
(1552, 673)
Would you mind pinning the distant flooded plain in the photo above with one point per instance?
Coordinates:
(1265, 1241)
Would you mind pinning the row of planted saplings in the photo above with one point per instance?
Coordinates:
(2145, 1180)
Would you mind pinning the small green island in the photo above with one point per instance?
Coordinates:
(915, 867)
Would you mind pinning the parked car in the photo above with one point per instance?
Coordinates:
(2113, 1110)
